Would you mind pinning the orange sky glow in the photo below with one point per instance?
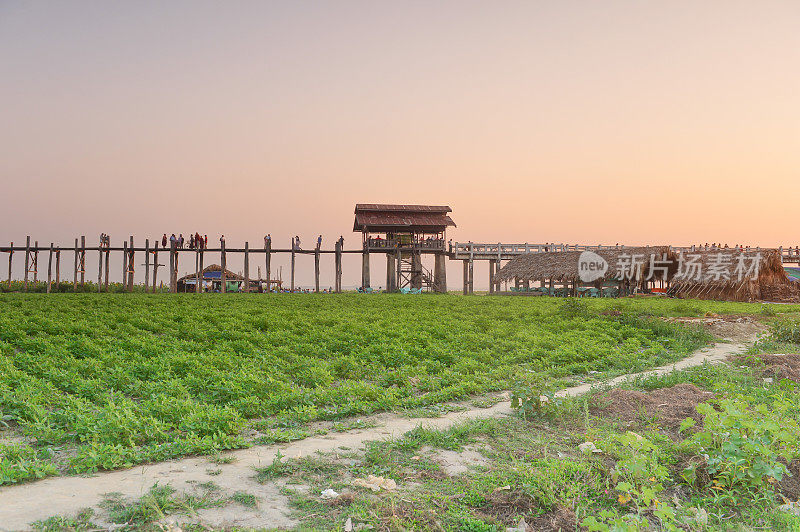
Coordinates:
(579, 122)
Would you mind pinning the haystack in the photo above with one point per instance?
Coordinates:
(770, 284)
(562, 266)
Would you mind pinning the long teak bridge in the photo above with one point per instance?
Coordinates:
(404, 234)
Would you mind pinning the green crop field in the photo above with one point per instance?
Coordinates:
(96, 381)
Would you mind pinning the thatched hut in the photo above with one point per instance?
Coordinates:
(211, 279)
(754, 275)
(564, 267)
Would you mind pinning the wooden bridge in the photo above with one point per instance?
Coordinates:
(495, 253)
(467, 252)
(500, 251)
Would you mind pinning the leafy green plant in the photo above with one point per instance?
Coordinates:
(638, 476)
(531, 404)
(742, 444)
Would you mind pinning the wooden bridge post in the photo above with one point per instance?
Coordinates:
(83, 260)
(365, 264)
(35, 262)
(492, 264)
(223, 278)
(100, 266)
(471, 268)
(27, 263)
(108, 262)
(10, 262)
(146, 265)
(131, 266)
(398, 280)
(75, 279)
(155, 267)
(316, 270)
(294, 246)
(268, 260)
(173, 280)
(390, 272)
(247, 266)
(124, 266)
(197, 269)
(466, 276)
(200, 270)
(416, 269)
(58, 268)
(440, 273)
(50, 269)
(337, 284)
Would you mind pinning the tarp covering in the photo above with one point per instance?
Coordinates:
(793, 273)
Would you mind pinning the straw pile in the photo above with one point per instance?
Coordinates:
(771, 284)
(562, 266)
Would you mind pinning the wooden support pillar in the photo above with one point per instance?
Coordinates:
(124, 266)
(316, 269)
(75, 279)
(131, 265)
(398, 280)
(416, 270)
(338, 268)
(492, 263)
(146, 265)
(35, 262)
(50, 269)
(83, 260)
(390, 272)
(108, 262)
(268, 260)
(171, 263)
(27, 263)
(294, 248)
(440, 273)
(247, 266)
(471, 275)
(197, 274)
(175, 270)
(365, 265)
(223, 277)
(10, 263)
(58, 268)
(155, 266)
(100, 266)
(466, 277)
(200, 269)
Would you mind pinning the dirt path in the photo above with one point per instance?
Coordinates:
(23, 504)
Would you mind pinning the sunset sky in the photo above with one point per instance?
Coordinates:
(591, 122)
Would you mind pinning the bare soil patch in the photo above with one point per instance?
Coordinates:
(789, 486)
(733, 327)
(507, 505)
(560, 519)
(778, 366)
(667, 407)
(458, 462)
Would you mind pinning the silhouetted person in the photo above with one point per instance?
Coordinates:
(164, 240)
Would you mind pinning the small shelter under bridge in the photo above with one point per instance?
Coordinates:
(404, 233)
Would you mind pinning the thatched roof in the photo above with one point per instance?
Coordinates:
(402, 218)
(771, 284)
(229, 275)
(563, 265)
